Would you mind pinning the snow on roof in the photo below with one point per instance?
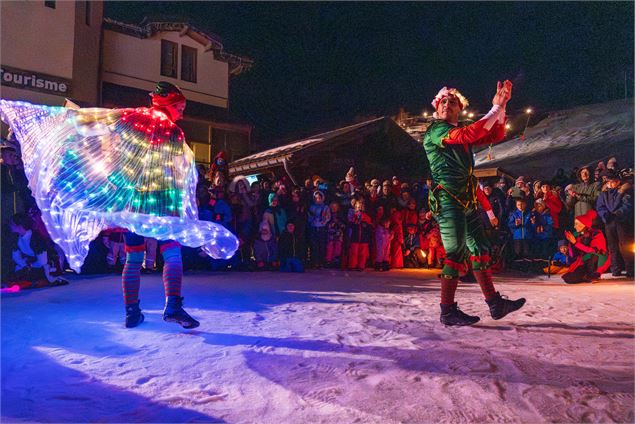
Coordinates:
(278, 154)
(211, 41)
(568, 138)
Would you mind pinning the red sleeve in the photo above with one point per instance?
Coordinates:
(476, 133)
(482, 199)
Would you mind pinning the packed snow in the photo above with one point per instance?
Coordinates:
(325, 346)
(566, 139)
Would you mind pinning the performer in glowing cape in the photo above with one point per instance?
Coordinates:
(91, 169)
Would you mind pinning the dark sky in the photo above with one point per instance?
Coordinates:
(320, 65)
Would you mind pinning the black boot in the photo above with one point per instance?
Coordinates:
(500, 306)
(134, 316)
(452, 315)
(174, 312)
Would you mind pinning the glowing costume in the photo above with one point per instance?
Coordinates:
(92, 169)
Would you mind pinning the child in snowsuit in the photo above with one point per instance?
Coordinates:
(413, 256)
(520, 225)
(383, 236)
(542, 229)
(335, 236)
(265, 247)
(360, 227)
(290, 247)
(561, 260)
(396, 253)
(319, 217)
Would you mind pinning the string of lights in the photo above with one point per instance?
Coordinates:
(94, 168)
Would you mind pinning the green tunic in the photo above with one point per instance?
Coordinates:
(453, 201)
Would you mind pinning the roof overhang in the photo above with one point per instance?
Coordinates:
(211, 42)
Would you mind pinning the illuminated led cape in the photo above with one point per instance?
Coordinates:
(91, 169)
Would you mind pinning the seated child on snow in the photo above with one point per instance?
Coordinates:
(265, 247)
(30, 256)
(413, 256)
(561, 260)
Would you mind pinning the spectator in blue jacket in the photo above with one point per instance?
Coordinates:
(542, 229)
(615, 208)
(319, 217)
(520, 225)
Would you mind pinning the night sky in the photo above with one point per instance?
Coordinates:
(321, 65)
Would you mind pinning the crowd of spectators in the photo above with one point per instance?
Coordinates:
(578, 224)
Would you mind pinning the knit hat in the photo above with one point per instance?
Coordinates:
(611, 163)
(272, 197)
(539, 201)
(520, 179)
(587, 218)
(562, 243)
(320, 192)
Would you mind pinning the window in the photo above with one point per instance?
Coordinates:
(169, 58)
(50, 4)
(87, 11)
(188, 63)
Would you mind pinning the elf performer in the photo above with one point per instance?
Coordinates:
(453, 200)
(90, 169)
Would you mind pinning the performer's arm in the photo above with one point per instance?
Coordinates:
(474, 133)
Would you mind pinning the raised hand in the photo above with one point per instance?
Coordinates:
(503, 93)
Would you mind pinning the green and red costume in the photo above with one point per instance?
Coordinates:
(453, 200)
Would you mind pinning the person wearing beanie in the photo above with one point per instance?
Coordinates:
(590, 244)
(615, 208)
(453, 200)
(561, 260)
(360, 230)
(275, 215)
(319, 217)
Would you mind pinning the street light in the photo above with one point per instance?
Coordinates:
(425, 114)
(508, 127)
(528, 111)
(470, 115)
(464, 112)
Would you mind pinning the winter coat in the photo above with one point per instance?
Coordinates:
(396, 255)
(277, 219)
(217, 210)
(319, 215)
(383, 236)
(542, 220)
(409, 216)
(360, 228)
(411, 241)
(522, 231)
(335, 230)
(289, 245)
(587, 194)
(615, 204)
(554, 204)
(562, 259)
(593, 244)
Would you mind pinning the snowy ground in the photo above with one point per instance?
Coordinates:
(320, 347)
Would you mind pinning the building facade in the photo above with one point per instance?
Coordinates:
(57, 50)
(135, 57)
(50, 51)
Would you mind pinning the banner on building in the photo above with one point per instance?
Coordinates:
(35, 81)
